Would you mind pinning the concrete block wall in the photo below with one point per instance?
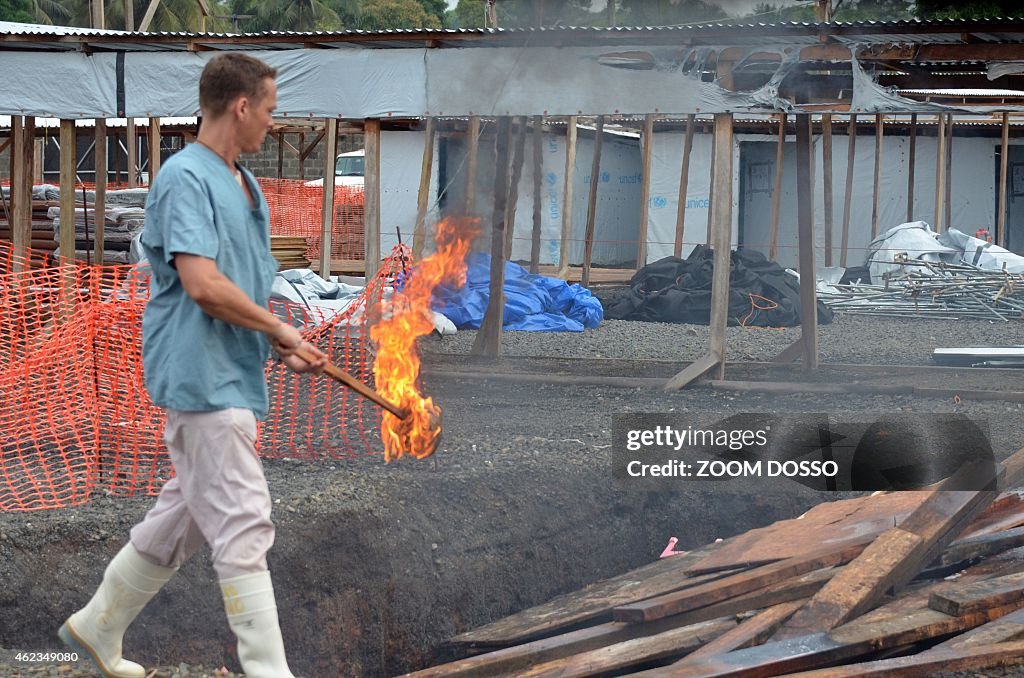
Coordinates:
(5, 164)
(264, 163)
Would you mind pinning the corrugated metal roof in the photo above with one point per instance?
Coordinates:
(946, 31)
(968, 93)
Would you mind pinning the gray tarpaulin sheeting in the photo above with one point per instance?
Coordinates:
(405, 82)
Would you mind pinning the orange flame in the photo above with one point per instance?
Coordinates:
(397, 367)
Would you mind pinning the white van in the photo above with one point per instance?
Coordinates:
(348, 170)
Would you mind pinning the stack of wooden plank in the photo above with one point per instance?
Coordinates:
(42, 242)
(290, 251)
(901, 583)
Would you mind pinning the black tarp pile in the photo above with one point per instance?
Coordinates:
(674, 290)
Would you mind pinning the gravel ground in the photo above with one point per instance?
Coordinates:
(517, 505)
(849, 339)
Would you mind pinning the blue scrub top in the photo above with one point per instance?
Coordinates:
(194, 362)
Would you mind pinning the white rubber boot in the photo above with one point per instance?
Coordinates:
(98, 628)
(252, 615)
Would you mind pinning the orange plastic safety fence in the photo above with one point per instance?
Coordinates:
(296, 209)
(75, 418)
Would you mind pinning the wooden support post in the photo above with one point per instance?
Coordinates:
(419, 234)
(473, 142)
(131, 146)
(302, 162)
(67, 189)
(805, 226)
(851, 150)
(518, 126)
(99, 222)
(488, 339)
(147, 18)
(948, 218)
(711, 191)
(280, 154)
(96, 14)
(645, 191)
(826, 160)
(538, 171)
(721, 234)
(773, 238)
(154, 149)
(1004, 159)
(371, 196)
(129, 15)
(117, 156)
(876, 193)
(684, 180)
(911, 166)
(22, 156)
(327, 200)
(567, 197)
(595, 180)
(940, 173)
(306, 151)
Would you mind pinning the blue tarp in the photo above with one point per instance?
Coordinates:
(533, 303)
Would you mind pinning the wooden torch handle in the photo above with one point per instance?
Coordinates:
(359, 387)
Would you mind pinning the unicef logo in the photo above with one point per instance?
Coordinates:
(658, 202)
(605, 177)
(551, 178)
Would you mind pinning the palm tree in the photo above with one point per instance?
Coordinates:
(171, 15)
(295, 15)
(52, 11)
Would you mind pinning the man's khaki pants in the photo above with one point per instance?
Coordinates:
(218, 495)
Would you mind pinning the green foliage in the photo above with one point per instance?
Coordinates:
(437, 8)
(666, 12)
(48, 11)
(16, 10)
(845, 11)
(171, 15)
(287, 15)
(523, 13)
(378, 15)
(985, 9)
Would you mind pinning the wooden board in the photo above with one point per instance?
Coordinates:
(981, 595)
(974, 548)
(825, 524)
(861, 585)
(593, 603)
(819, 650)
(925, 664)
(510, 660)
(753, 631)
(738, 584)
(895, 557)
(1002, 630)
(620, 656)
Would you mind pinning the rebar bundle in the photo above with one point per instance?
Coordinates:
(924, 289)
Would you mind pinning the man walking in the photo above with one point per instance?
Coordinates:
(206, 338)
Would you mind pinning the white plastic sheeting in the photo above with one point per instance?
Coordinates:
(618, 196)
(913, 240)
(666, 164)
(973, 190)
(401, 157)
